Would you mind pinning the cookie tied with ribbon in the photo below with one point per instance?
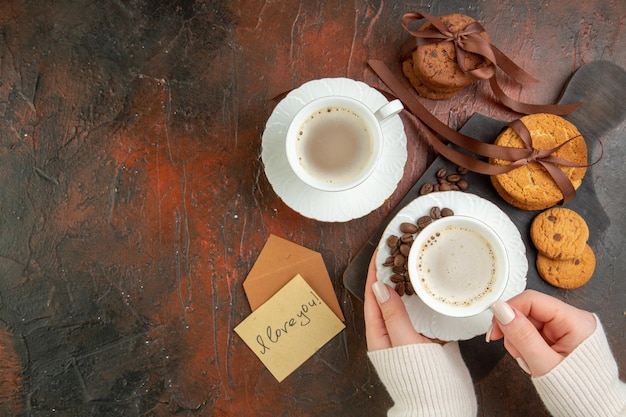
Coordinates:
(555, 166)
(434, 68)
(450, 52)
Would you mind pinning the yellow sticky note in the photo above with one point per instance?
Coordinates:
(289, 328)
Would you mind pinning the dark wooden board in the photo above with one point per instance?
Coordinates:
(601, 86)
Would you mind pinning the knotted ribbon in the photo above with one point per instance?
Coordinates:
(470, 40)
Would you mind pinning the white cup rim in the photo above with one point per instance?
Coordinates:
(486, 301)
(370, 119)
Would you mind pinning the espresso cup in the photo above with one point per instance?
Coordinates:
(334, 143)
(458, 266)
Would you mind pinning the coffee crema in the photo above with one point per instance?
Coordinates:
(457, 266)
(334, 145)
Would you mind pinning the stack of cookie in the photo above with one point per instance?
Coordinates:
(530, 187)
(433, 70)
(565, 259)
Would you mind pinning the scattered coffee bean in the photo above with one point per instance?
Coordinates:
(424, 221)
(445, 212)
(407, 238)
(463, 185)
(398, 269)
(396, 278)
(426, 188)
(399, 260)
(435, 213)
(400, 288)
(408, 228)
(392, 241)
(445, 182)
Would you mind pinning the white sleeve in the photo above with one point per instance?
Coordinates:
(586, 383)
(426, 379)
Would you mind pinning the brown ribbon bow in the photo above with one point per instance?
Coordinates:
(517, 156)
(469, 40)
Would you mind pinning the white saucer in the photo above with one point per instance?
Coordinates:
(426, 321)
(332, 206)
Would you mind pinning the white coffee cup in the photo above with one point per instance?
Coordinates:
(334, 143)
(458, 266)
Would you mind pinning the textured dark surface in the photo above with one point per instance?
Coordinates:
(133, 199)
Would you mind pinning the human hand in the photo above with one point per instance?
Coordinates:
(387, 323)
(539, 331)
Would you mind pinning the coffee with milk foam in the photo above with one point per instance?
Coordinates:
(457, 265)
(334, 145)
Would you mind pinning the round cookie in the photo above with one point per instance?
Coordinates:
(567, 273)
(559, 233)
(531, 185)
(436, 64)
(422, 90)
(510, 200)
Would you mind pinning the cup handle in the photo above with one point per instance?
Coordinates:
(392, 108)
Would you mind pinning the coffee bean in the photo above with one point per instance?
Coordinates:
(408, 288)
(398, 269)
(445, 212)
(399, 260)
(392, 241)
(396, 278)
(447, 182)
(407, 238)
(424, 221)
(463, 185)
(426, 188)
(400, 288)
(408, 228)
(435, 213)
(404, 249)
(388, 261)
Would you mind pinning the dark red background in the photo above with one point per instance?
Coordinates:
(133, 199)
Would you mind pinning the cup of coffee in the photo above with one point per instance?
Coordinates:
(458, 266)
(334, 143)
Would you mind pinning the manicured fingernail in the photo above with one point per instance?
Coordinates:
(522, 364)
(381, 292)
(503, 312)
(488, 334)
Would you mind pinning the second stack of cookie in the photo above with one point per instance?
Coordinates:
(433, 69)
(565, 259)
